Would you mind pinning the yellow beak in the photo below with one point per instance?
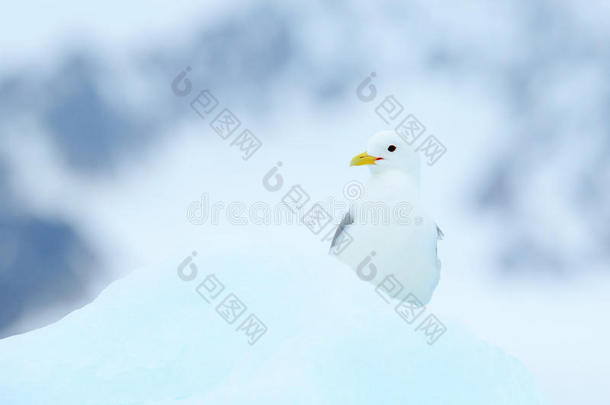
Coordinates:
(363, 159)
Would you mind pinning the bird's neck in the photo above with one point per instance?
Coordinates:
(396, 183)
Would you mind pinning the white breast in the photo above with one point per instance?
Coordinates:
(393, 236)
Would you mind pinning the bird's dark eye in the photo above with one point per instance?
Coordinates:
(391, 148)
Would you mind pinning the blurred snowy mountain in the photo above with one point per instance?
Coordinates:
(543, 176)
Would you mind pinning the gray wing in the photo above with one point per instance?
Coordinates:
(347, 220)
(439, 236)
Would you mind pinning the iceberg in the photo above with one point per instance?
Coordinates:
(220, 328)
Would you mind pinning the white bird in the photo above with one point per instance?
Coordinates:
(393, 239)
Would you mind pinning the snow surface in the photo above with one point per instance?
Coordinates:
(149, 338)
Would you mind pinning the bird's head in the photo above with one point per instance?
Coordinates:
(387, 150)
